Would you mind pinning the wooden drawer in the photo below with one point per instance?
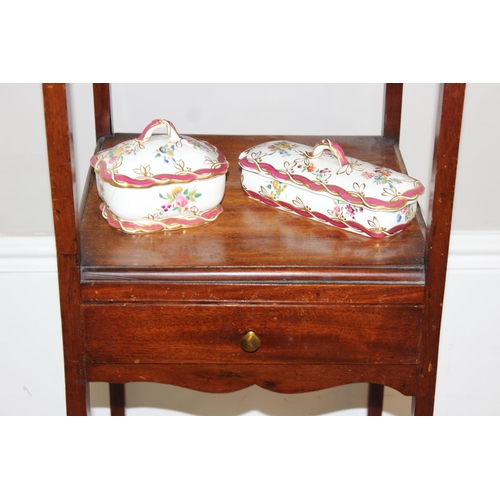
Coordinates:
(133, 333)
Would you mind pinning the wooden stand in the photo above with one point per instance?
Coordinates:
(329, 307)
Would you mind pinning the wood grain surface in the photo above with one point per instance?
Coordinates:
(251, 242)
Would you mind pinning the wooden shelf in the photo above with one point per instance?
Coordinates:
(252, 243)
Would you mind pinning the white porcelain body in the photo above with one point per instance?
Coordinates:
(162, 207)
(160, 182)
(322, 184)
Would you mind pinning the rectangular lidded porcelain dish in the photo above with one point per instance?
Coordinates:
(321, 183)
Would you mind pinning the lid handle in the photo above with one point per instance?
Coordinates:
(155, 124)
(333, 147)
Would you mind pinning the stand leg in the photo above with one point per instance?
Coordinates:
(77, 397)
(375, 400)
(117, 399)
(422, 406)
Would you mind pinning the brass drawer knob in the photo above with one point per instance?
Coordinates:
(250, 342)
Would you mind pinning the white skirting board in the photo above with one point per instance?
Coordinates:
(31, 361)
(27, 254)
(471, 251)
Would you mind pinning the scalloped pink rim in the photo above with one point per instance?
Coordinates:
(157, 179)
(354, 226)
(146, 227)
(411, 193)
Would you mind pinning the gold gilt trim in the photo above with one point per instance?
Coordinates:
(212, 164)
(148, 227)
(359, 194)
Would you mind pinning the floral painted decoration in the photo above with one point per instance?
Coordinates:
(174, 171)
(284, 148)
(324, 168)
(179, 200)
(322, 184)
(152, 159)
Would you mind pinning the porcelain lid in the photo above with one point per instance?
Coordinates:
(325, 169)
(158, 159)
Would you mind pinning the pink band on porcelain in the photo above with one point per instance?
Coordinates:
(168, 223)
(345, 195)
(325, 219)
(162, 178)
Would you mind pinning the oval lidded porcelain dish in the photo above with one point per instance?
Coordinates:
(160, 182)
(322, 184)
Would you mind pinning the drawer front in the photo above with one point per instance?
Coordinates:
(145, 333)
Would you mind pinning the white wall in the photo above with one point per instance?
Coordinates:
(31, 351)
(24, 189)
(244, 108)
